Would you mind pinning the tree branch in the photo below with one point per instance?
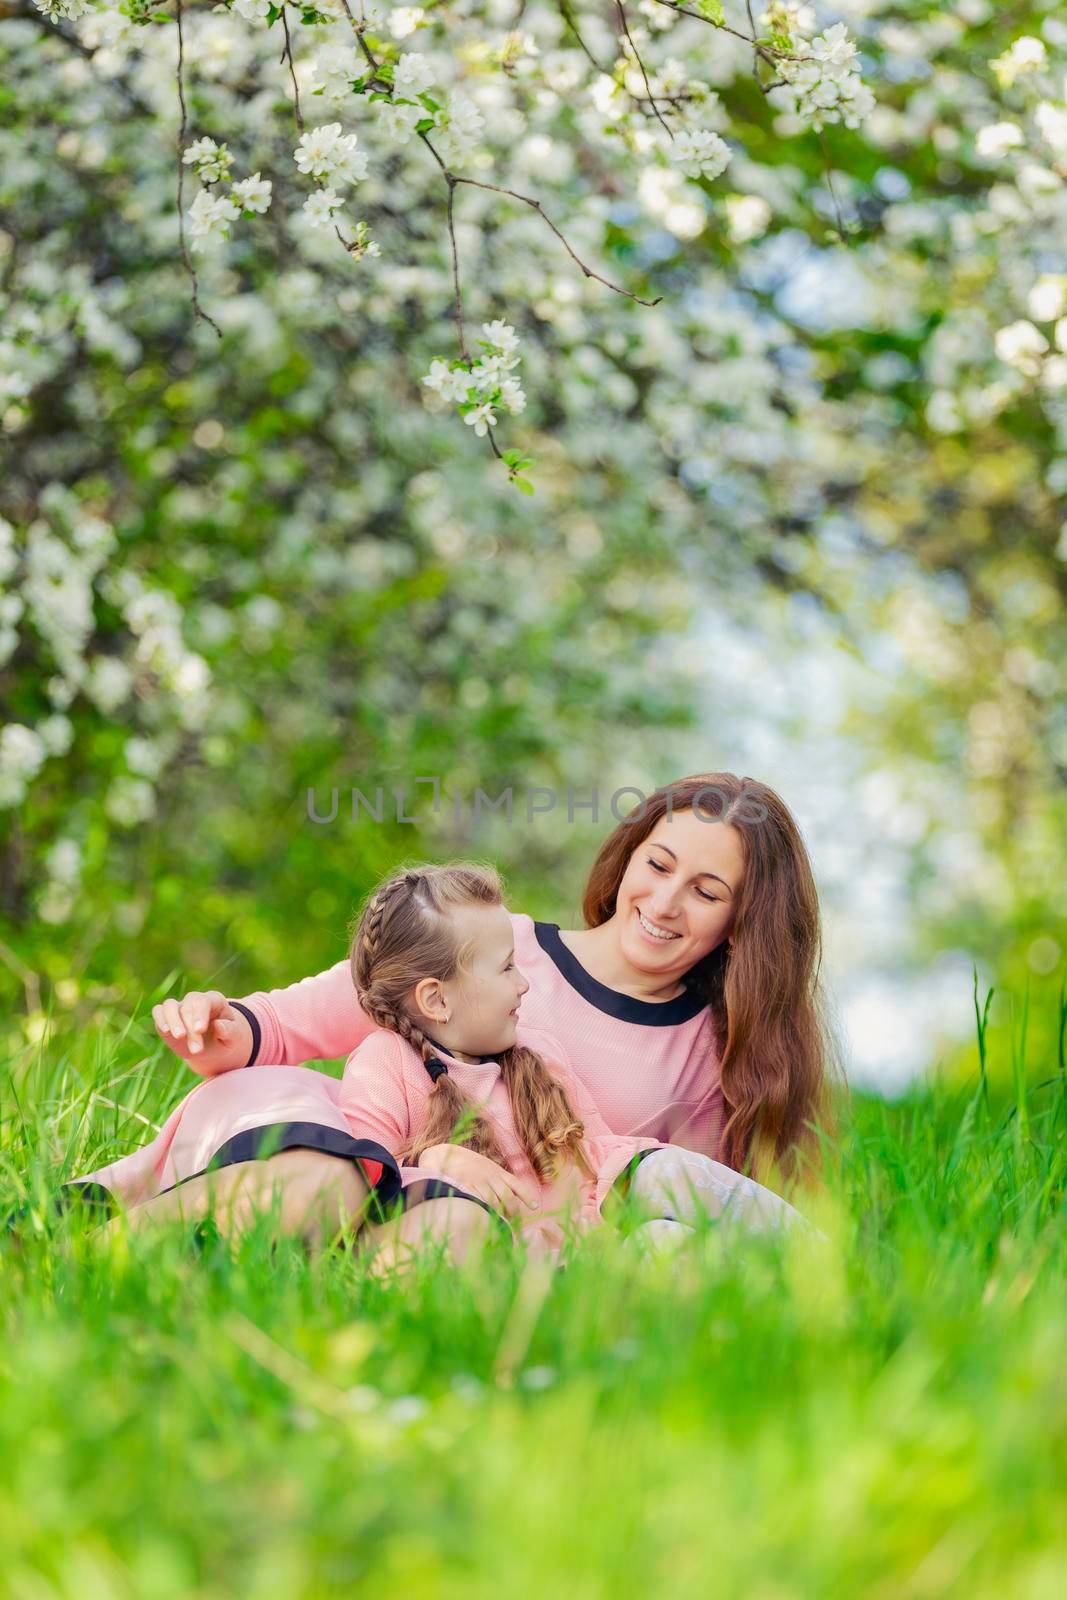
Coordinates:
(186, 257)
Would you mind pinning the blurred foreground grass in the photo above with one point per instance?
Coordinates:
(887, 1418)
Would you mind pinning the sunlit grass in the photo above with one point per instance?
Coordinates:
(885, 1417)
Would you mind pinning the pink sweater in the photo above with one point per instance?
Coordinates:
(651, 1068)
(386, 1088)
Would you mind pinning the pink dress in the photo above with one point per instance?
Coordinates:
(650, 1068)
(385, 1093)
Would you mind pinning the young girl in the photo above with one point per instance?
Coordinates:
(452, 1072)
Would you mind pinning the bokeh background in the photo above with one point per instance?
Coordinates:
(803, 520)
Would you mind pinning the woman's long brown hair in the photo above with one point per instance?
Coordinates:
(763, 984)
(405, 932)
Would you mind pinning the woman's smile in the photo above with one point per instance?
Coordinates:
(654, 932)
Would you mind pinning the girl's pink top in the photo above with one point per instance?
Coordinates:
(650, 1067)
(385, 1093)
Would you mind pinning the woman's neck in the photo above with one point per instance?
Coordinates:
(598, 951)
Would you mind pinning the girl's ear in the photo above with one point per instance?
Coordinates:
(429, 1001)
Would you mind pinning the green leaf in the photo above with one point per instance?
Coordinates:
(523, 485)
(712, 11)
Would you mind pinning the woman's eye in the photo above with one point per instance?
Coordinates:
(713, 898)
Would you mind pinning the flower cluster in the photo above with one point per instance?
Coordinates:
(699, 153)
(326, 153)
(63, 10)
(823, 83)
(483, 386)
(1025, 55)
(335, 160)
(212, 210)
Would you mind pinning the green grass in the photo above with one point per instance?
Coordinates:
(887, 1418)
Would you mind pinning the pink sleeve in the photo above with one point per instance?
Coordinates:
(608, 1153)
(373, 1096)
(703, 1129)
(313, 1020)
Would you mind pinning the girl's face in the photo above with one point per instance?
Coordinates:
(678, 894)
(481, 1002)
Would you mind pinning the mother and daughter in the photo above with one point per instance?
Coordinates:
(504, 1068)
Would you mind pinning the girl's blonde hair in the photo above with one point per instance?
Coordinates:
(405, 932)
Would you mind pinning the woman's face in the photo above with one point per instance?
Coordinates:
(678, 894)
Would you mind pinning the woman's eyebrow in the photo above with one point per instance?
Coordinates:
(670, 852)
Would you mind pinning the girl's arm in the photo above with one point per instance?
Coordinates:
(374, 1097)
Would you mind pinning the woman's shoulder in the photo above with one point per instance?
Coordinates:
(544, 1043)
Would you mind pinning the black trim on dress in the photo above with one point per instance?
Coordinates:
(253, 1023)
(624, 1007)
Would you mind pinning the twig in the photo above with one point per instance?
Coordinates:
(186, 257)
(535, 205)
(770, 56)
(842, 235)
(642, 105)
(651, 98)
(755, 58)
(288, 56)
(455, 270)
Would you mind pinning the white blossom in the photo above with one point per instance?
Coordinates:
(1021, 345)
(65, 861)
(460, 127)
(212, 161)
(399, 119)
(699, 153)
(997, 138)
(252, 10)
(413, 74)
(335, 68)
(130, 801)
(403, 20)
(450, 384)
(1048, 297)
(8, 558)
(108, 684)
(252, 194)
(512, 395)
(1026, 54)
(209, 217)
(57, 733)
(144, 757)
(747, 216)
(63, 10)
(823, 85)
(481, 419)
(22, 750)
(320, 207)
(501, 336)
(1052, 124)
(328, 153)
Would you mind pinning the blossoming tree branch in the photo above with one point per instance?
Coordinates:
(453, 83)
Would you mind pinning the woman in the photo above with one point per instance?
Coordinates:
(688, 1006)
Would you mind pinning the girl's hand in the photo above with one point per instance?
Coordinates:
(510, 1195)
(205, 1030)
